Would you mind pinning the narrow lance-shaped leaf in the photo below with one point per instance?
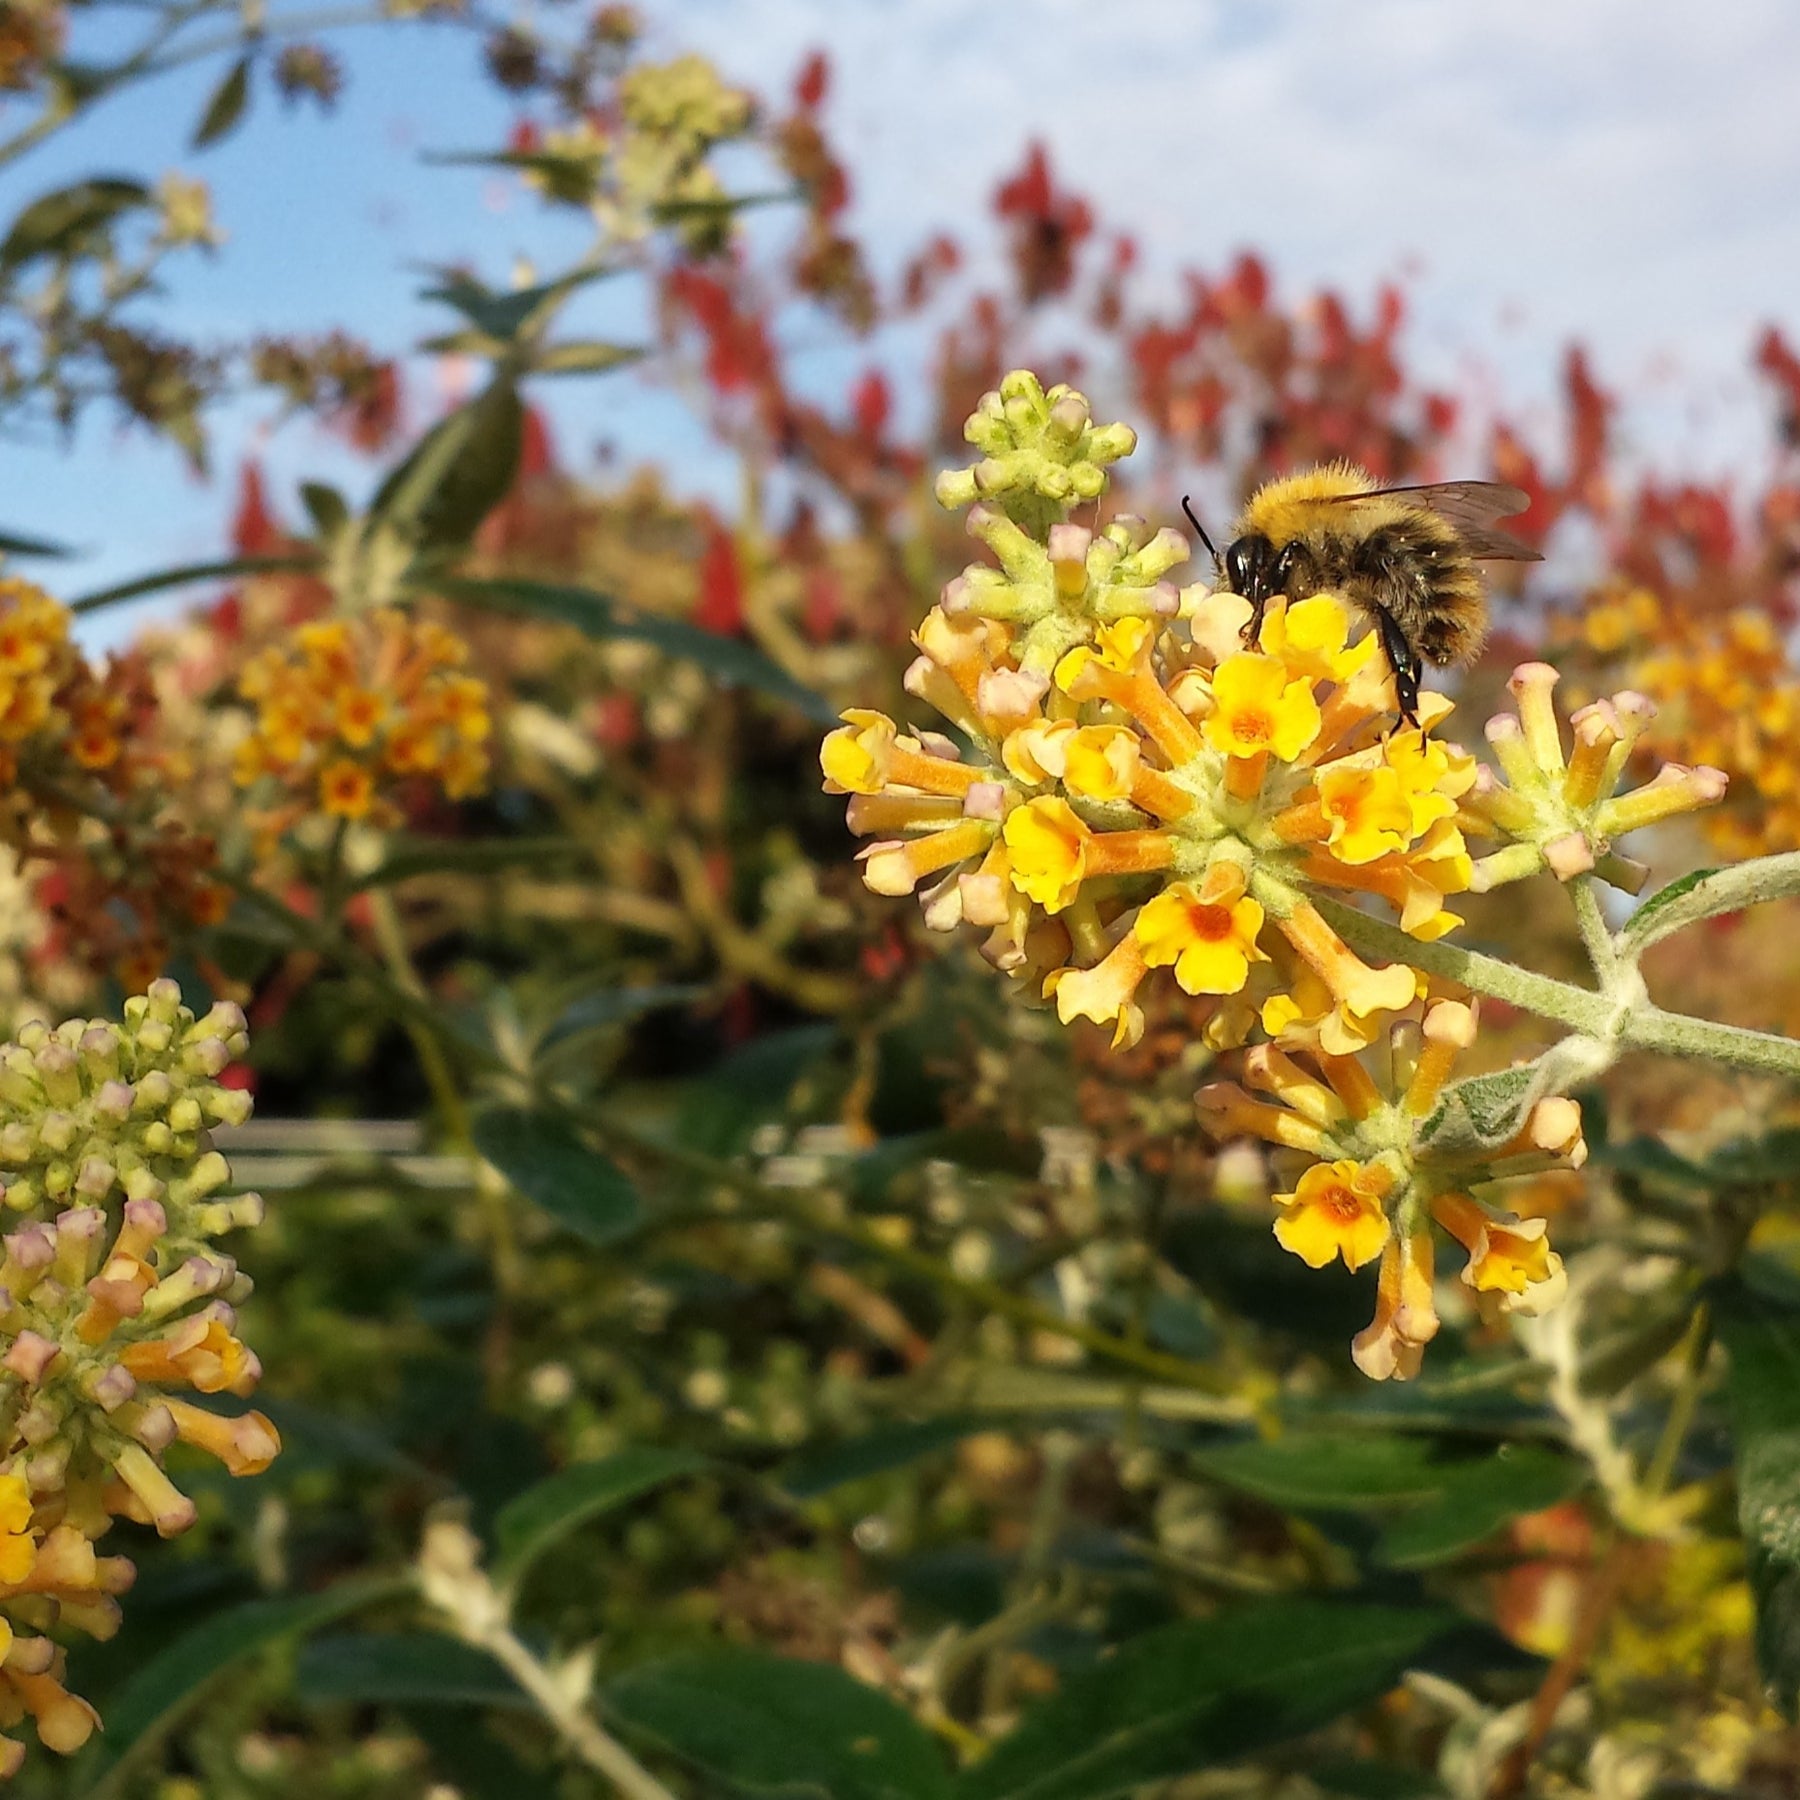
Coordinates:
(782, 1728)
(583, 357)
(189, 574)
(396, 1668)
(57, 221)
(549, 1164)
(543, 1515)
(225, 110)
(1761, 1333)
(456, 474)
(501, 315)
(13, 543)
(161, 1690)
(1190, 1696)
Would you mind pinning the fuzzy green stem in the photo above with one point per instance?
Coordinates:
(599, 1749)
(1581, 1009)
(1631, 1024)
(1649, 1027)
(1596, 936)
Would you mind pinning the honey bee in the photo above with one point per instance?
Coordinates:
(1405, 556)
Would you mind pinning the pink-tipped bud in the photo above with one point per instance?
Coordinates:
(29, 1357)
(1569, 855)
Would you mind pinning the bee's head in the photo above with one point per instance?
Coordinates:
(1249, 567)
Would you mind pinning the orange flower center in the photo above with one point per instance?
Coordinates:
(1344, 1206)
(1211, 924)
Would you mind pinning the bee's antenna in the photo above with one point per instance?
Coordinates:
(1199, 528)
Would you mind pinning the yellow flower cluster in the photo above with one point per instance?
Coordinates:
(114, 1305)
(73, 738)
(1386, 1169)
(355, 707)
(1562, 813)
(1142, 790)
(643, 165)
(1133, 786)
(35, 659)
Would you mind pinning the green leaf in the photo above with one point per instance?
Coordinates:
(189, 573)
(59, 221)
(774, 1726)
(1477, 1499)
(12, 544)
(618, 1006)
(818, 1469)
(1652, 1159)
(162, 1690)
(1610, 1362)
(456, 474)
(1639, 927)
(720, 1112)
(469, 1757)
(1328, 1470)
(584, 357)
(1446, 1503)
(326, 507)
(1485, 1110)
(502, 316)
(225, 110)
(401, 1668)
(1757, 1162)
(1237, 1264)
(875, 1171)
(548, 1512)
(548, 1163)
(1464, 1399)
(727, 659)
(1206, 1691)
(1761, 1334)
(466, 342)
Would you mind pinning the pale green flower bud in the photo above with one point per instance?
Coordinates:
(1043, 454)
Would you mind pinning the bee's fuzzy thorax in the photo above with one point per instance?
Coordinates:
(1287, 507)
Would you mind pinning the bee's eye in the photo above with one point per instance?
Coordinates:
(1287, 565)
(1240, 565)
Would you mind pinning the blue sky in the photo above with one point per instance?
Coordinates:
(1622, 170)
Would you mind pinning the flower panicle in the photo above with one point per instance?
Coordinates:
(1377, 1180)
(352, 708)
(1560, 809)
(118, 1318)
(1136, 789)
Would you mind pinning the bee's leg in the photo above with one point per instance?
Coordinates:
(1403, 662)
(1252, 632)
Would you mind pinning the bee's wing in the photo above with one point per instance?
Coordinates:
(1471, 507)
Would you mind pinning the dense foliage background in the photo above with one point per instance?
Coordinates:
(721, 1339)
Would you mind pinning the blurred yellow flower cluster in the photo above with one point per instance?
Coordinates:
(353, 707)
(36, 657)
(1386, 1170)
(114, 1305)
(1729, 693)
(75, 739)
